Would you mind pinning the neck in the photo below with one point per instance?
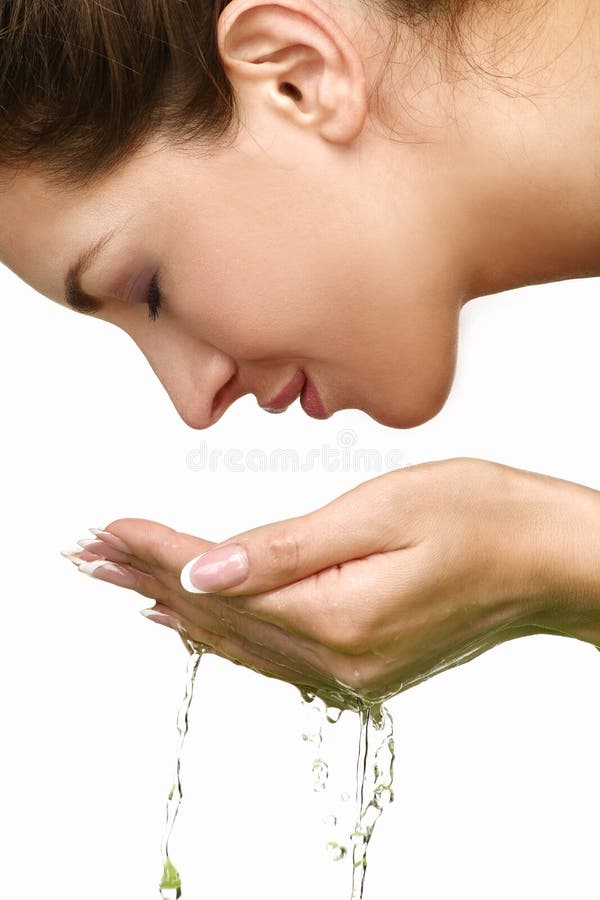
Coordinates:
(521, 152)
(536, 194)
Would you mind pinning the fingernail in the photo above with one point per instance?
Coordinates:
(104, 550)
(69, 553)
(109, 571)
(79, 556)
(94, 546)
(111, 539)
(161, 618)
(215, 570)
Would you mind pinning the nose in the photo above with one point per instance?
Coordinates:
(194, 374)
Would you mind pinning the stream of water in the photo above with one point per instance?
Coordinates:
(374, 777)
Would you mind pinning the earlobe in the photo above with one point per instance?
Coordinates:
(299, 61)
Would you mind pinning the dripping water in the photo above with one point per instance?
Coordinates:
(374, 777)
(170, 884)
(374, 774)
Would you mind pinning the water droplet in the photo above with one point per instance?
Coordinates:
(170, 886)
(321, 774)
(170, 893)
(383, 796)
(336, 851)
(333, 714)
(307, 696)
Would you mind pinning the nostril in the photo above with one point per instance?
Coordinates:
(219, 395)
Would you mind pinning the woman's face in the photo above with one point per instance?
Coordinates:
(319, 249)
(265, 269)
(286, 252)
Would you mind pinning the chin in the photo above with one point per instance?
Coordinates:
(415, 414)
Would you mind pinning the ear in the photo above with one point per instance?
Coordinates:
(299, 61)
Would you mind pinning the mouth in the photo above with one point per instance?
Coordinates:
(286, 395)
(310, 399)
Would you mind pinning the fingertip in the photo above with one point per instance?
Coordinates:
(186, 580)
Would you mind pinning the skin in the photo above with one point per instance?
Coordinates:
(333, 227)
(385, 237)
(445, 552)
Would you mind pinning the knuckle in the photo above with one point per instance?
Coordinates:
(283, 554)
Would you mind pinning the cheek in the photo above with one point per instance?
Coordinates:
(245, 330)
(251, 314)
(280, 286)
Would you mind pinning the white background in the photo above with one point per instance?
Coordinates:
(497, 771)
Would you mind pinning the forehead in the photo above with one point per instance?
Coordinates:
(44, 228)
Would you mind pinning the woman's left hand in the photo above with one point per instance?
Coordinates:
(401, 577)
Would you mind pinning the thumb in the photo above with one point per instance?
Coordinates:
(358, 523)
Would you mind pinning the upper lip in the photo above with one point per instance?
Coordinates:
(233, 389)
(287, 394)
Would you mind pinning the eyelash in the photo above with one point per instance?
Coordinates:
(154, 299)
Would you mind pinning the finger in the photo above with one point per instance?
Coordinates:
(78, 556)
(239, 651)
(127, 577)
(106, 551)
(268, 640)
(368, 519)
(158, 546)
(343, 608)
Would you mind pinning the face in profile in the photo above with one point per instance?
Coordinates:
(311, 256)
(234, 275)
(327, 248)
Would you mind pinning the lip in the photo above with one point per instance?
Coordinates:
(310, 401)
(287, 395)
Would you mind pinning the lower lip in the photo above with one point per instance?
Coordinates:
(311, 402)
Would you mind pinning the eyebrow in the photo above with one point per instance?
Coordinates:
(75, 296)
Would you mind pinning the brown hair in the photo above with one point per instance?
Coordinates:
(83, 84)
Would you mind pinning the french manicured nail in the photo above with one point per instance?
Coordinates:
(111, 539)
(109, 571)
(69, 553)
(106, 551)
(94, 546)
(161, 618)
(79, 556)
(215, 570)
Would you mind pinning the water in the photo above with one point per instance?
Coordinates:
(374, 775)
(170, 885)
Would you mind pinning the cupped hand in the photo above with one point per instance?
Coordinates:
(403, 576)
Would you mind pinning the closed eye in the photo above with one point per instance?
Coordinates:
(154, 299)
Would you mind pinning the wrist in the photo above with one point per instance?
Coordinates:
(564, 548)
